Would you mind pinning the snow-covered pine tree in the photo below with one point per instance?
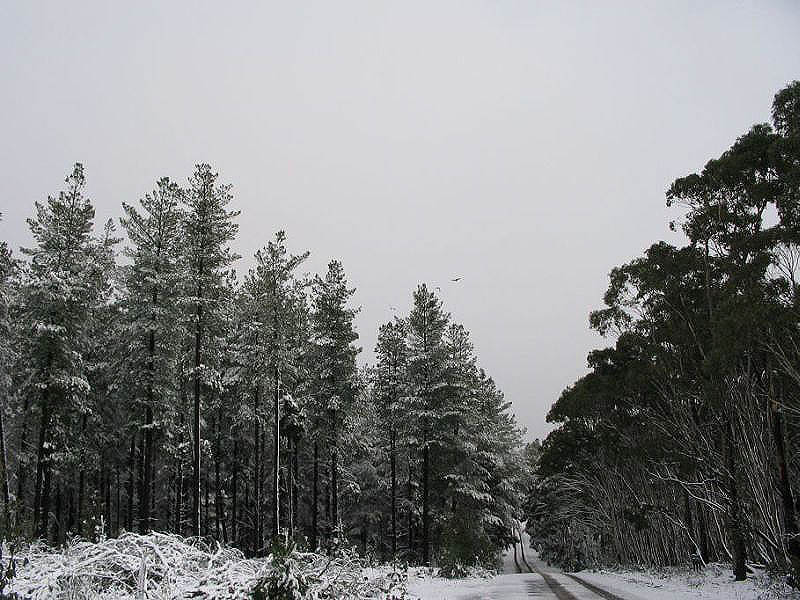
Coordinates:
(389, 380)
(427, 378)
(335, 354)
(277, 300)
(60, 287)
(6, 360)
(208, 228)
(151, 301)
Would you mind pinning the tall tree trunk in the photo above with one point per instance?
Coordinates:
(198, 337)
(295, 484)
(335, 474)
(257, 476)
(235, 493)
(276, 459)
(737, 535)
(59, 518)
(426, 516)
(4, 468)
(179, 498)
(218, 516)
(393, 462)
(289, 483)
(789, 521)
(117, 502)
(410, 506)
(48, 471)
(131, 469)
(41, 458)
(315, 500)
(23, 464)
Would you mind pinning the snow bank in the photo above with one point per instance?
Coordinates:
(714, 583)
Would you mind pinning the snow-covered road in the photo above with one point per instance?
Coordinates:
(524, 577)
(551, 586)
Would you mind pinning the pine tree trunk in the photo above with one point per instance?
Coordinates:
(218, 516)
(426, 516)
(393, 461)
(335, 475)
(4, 467)
(23, 465)
(289, 488)
(276, 457)
(315, 501)
(58, 516)
(234, 493)
(46, 499)
(196, 487)
(410, 507)
(117, 502)
(295, 485)
(40, 462)
(257, 477)
(131, 469)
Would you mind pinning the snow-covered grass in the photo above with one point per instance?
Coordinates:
(713, 583)
(165, 566)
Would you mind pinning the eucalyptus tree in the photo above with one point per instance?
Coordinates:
(208, 228)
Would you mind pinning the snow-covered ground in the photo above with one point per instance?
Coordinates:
(714, 583)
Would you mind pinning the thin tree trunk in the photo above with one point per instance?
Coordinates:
(131, 468)
(335, 475)
(257, 476)
(393, 459)
(739, 552)
(4, 467)
(426, 516)
(46, 499)
(790, 524)
(234, 493)
(315, 500)
(276, 458)
(295, 485)
(196, 424)
(40, 462)
(217, 490)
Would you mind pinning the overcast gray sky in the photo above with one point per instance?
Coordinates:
(525, 146)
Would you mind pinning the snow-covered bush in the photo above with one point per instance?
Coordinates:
(286, 580)
(161, 566)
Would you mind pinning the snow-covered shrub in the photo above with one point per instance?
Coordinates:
(287, 579)
(161, 566)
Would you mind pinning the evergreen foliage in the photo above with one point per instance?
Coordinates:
(161, 393)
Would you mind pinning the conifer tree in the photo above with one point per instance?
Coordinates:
(151, 284)
(427, 380)
(390, 383)
(208, 229)
(60, 287)
(6, 360)
(335, 359)
(277, 298)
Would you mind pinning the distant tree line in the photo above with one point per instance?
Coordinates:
(157, 391)
(684, 438)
